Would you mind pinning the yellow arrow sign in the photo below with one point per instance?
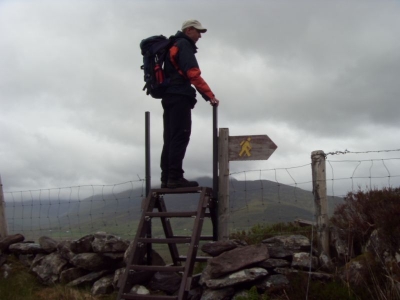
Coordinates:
(252, 147)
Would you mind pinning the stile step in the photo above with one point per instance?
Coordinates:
(197, 259)
(157, 268)
(197, 189)
(146, 297)
(172, 214)
(175, 214)
(172, 240)
(202, 238)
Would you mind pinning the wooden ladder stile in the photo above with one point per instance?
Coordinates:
(155, 200)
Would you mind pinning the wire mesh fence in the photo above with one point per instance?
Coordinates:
(265, 196)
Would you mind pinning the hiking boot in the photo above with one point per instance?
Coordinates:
(181, 183)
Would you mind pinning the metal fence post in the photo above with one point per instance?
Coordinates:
(3, 221)
(148, 181)
(223, 193)
(215, 168)
(318, 166)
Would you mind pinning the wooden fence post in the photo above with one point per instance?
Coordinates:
(3, 221)
(223, 194)
(318, 166)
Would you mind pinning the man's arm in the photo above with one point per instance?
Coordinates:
(194, 76)
(186, 61)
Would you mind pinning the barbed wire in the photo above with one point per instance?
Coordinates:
(360, 152)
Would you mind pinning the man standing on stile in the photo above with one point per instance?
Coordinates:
(182, 69)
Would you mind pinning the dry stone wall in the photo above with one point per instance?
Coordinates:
(99, 260)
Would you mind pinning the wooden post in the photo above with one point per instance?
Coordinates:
(3, 221)
(320, 198)
(223, 194)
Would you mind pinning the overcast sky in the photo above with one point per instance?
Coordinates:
(312, 75)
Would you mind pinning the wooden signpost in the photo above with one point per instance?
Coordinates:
(236, 148)
(250, 147)
(3, 221)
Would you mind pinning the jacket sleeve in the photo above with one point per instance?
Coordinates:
(194, 75)
(185, 62)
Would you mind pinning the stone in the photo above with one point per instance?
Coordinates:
(242, 276)
(82, 245)
(117, 275)
(280, 252)
(236, 259)
(205, 274)
(156, 259)
(88, 279)
(222, 294)
(128, 252)
(139, 277)
(103, 286)
(195, 293)
(375, 244)
(92, 261)
(216, 248)
(273, 283)
(26, 259)
(313, 275)
(357, 269)
(116, 259)
(48, 244)
(49, 267)
(272, 263)
(320, 276)
(139, 290)
(303, 261)
(165, 281)
(26, 248)
(36, 260)
(241, 294)
(290, 242)
(64, 248)
(71, 274)
(340, 246)
(286, 271)
(9, 240)
(325, 262)
(103, 243)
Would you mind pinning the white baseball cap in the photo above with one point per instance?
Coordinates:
(193, 23)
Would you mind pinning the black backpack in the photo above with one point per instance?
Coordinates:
(154, 51)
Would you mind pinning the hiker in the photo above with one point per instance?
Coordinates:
(180, 98)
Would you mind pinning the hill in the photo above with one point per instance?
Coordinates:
(251, 202)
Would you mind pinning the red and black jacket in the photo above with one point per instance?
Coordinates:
(182, 69)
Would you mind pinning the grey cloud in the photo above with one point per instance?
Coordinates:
(310, 74)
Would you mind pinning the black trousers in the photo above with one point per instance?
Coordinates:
(177, 121)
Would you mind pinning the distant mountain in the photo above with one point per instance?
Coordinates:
(251, 202)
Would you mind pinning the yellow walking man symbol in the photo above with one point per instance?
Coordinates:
(246, 147)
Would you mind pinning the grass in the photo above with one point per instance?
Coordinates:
(260, 232)
(21, 284)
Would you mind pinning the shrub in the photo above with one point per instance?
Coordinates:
(301, 287)
(363, 212)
